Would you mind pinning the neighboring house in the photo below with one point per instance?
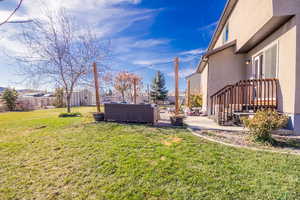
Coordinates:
(2, 106)
(172, 99)
(87, 97)
(83, 97)
(141, 98)
(34, 100)
(195, 82)
(253, 60)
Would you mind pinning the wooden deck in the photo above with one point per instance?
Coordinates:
(244, 96)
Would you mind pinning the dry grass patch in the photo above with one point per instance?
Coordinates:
(172, 140)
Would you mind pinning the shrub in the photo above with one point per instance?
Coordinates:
(9, 98)
(263, 123)
(76, 114)
(196, 101)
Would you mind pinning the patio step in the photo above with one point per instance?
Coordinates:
(232, 119)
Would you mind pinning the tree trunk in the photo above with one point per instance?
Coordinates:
(123, 97)
(69, 103)
(134, 90)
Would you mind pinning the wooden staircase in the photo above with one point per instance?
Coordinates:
(246, 96)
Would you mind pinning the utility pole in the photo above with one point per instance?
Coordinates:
(96, 78)
(176, 86)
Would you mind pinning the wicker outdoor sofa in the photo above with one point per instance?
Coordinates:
(131, 113)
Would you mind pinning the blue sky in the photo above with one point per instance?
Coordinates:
(143, 33)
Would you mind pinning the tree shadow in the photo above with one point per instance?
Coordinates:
(286, 143)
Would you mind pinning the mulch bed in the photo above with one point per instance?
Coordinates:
(285, 142)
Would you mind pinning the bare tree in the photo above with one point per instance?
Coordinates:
(125, 82)
(135, 88)
(122, 83)
(61, 53)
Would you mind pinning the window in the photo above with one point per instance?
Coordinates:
(270, 68)
(265, 63)
(226, 33)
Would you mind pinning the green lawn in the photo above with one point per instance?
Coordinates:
(46, 157)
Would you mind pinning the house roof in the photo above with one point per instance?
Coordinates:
(201, 65)
(273, 24)
(230, 5)
(189, 76)
(221, 48)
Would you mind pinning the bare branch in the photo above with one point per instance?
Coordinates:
(60, 52)
(12, 14)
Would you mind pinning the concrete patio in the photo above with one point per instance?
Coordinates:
(204, 123)
(198, 123)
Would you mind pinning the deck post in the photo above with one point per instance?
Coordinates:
(189, 94)
(176, 86)
(96, 79)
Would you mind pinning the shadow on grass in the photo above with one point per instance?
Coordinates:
(286, 143)
(276, 141)
(163, 129)
(279, 141)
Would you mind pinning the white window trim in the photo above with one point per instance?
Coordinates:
(253, 66)
(224, 41)
(262, 51)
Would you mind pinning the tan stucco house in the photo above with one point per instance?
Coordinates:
(195, 81)
(253, 60)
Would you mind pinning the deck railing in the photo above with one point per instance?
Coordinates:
(244, 96)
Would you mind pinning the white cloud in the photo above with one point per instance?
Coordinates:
(11, 45)
(183, 72)
(208, 27)
(193, 52)
(150, 43)
(34, 7)
(8, 40)
(165, 62)
(152, 61)
(110, 19)
(106, 17)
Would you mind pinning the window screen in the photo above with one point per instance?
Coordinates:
(270, 67)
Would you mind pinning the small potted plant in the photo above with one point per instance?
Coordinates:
(177, 120)
(98, 116)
